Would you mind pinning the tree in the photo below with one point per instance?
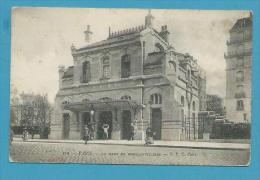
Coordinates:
(35, 111)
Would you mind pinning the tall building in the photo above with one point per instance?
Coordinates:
(133, 76)
(238, 71)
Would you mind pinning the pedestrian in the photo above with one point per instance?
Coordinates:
(86, 134)
(105, 130)
(131, 132)
(25, 134)
(32, 132)
(149, 136)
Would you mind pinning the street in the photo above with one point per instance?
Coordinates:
(44, 152)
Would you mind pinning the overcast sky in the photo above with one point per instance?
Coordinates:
(41, 40)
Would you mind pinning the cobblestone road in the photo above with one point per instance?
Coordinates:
(123, 154)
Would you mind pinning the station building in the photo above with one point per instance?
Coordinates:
(133, 76)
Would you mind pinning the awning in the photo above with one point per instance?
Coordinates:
(102, 105)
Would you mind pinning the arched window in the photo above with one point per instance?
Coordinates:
(125, 66)
(182, 100)
(172, 65)
(106, 67)
(240, 76)
(193, 106)
(105, 99)
(156, 98)
(86, 75)
(126, 97)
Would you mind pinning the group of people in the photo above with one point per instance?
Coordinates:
(88, 133)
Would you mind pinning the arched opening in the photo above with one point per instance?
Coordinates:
(156, 98)
(126, 124)
(105, 117)
(106, 67)
(193, 106)
(182, 101)
(86, 75)
(126, 97)
(65, 125)
(158, 47)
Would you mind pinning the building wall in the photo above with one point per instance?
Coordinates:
(238, 73)
(171, 82)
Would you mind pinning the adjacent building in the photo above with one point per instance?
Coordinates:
(133, 76)
(238, 71)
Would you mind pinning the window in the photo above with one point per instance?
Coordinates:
(193, 106)
(156, 98)
(245, 118)
(172, 65)
(188, 74)
(126, 97)
(106, 67)
(240, 76)
(65, 102)
(182, 100)
(240, 62)
(240, 105)
(86, 72)
(125, 66)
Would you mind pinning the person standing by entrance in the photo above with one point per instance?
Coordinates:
(131, 132)
(86, 134)
(105, 129)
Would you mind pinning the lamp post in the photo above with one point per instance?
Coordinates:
(92, 121)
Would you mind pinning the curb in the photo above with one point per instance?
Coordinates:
(143, 145)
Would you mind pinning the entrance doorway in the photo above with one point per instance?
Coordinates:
(126, 124)
(105, 117)
(85, 121)
(157, 122)
(66, 125)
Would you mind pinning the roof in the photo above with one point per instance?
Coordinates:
(242, 23)
(68, 73)
(105, 104)
(154, 58)
(115, 37)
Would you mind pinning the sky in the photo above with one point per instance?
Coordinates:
(41, 39)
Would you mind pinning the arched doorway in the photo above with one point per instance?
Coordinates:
(65, 125)
(85, 121)
(126, 124)
(157, 122)
(105, 117)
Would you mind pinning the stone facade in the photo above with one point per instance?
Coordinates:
(136, 65)
(238, 71)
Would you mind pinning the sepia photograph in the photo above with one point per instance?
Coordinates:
(130, 86)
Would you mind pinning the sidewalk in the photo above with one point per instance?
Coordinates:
(172, 144)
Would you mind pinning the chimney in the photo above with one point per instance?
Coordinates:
(149, 20)
(164, 33)
(88, 34)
